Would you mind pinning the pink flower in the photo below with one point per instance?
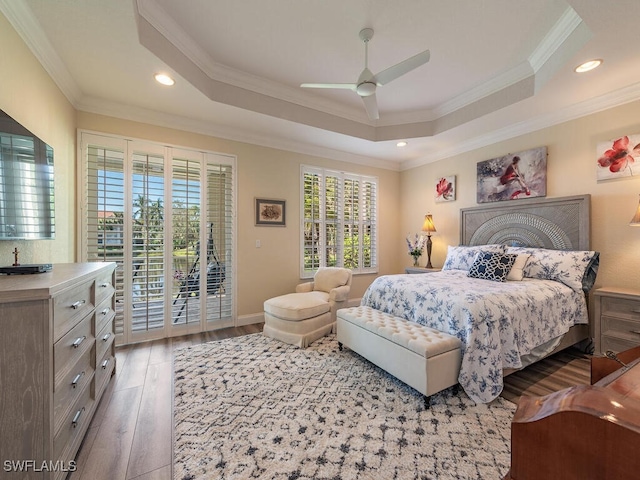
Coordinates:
(444, 188)
(619, 157)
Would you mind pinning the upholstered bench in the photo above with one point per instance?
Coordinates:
(426, 359)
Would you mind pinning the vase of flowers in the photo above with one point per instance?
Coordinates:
(415, 248)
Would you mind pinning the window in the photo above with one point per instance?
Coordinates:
(339, 221)
(150, 208)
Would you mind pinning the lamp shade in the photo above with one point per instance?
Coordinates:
(428, 225)
(635, 221)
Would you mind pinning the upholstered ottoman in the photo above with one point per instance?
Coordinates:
(423, 358)
(298, 319)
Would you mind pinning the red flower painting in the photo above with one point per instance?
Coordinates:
(445, 189)
(619, 156)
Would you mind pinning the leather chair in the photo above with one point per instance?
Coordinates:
(303, 317)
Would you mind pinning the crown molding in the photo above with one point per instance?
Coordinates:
(554, 38)
(588, 107)
(24, 22)
(175, 122)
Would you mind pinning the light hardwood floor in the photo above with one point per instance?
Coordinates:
(130, 436)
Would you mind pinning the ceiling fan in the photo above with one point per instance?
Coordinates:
(368, 82)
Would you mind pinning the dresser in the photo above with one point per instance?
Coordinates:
(617, 319)
(57, 355)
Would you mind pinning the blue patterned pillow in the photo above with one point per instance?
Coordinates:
(577, 269)
(462, 257)
(492, 266)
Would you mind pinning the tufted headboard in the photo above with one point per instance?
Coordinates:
(558, 223)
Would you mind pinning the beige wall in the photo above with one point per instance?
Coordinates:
(571, 170)
(272, 269)
(28, 94)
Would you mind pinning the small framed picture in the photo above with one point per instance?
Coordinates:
(270, 212)
(446, 189)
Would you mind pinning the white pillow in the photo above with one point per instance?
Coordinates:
(328, 278)
(517, 271)
(462, 256)
(577, 269)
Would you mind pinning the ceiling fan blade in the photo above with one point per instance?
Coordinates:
(401, 68)
(371, 105)
(348, 86)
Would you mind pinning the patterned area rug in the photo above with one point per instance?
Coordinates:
(252, 407)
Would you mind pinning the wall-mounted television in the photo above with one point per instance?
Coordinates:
(26, 184)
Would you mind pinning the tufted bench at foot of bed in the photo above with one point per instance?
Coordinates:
(426, 359)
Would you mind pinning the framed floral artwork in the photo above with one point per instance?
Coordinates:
(618, 158)
(270, 212)
(519, 175)
(446, 189)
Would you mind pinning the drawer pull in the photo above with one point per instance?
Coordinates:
(105, 363)
(78, 341)
(74, 382)
(636, 310)
(77, 304)
(76, 417)
(105, 311)
(105, 285)
(637, 332)
(106, 337)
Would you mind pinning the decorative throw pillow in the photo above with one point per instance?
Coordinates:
(492, 266)
(462, 256)
(577, 269)
(517, 271)
(327, 278)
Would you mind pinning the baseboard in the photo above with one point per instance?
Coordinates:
(251, 319)
(354, 302)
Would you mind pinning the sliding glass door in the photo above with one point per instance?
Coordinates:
(166, 217)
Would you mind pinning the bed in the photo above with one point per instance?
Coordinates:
(504, 325)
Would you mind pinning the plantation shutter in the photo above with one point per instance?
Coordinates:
(338, 221)
(166, 217)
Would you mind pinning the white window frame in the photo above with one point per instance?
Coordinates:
(361, 222)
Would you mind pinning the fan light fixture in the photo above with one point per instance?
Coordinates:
(588, 66)
(367, 82)
(164, 79)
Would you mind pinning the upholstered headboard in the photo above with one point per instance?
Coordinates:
(557, 223)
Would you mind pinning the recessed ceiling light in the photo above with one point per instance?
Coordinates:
(401, 144)
(164, 79)
(590, 65)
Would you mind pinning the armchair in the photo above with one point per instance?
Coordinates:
(301, 318)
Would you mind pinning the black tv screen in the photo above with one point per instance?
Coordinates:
(26, 184)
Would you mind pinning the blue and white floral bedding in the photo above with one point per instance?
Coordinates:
(497, 322)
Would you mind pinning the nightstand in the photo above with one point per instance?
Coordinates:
(421, 270)
(617, 319)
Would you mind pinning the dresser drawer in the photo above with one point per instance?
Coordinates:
(617, 344)
(72, 385)
(104, 314)
(104, 368)
(74, 424)
(68, 350)
(69, 307)
(104, 340)
(104, 286)
(621, 307)
(621, 328)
